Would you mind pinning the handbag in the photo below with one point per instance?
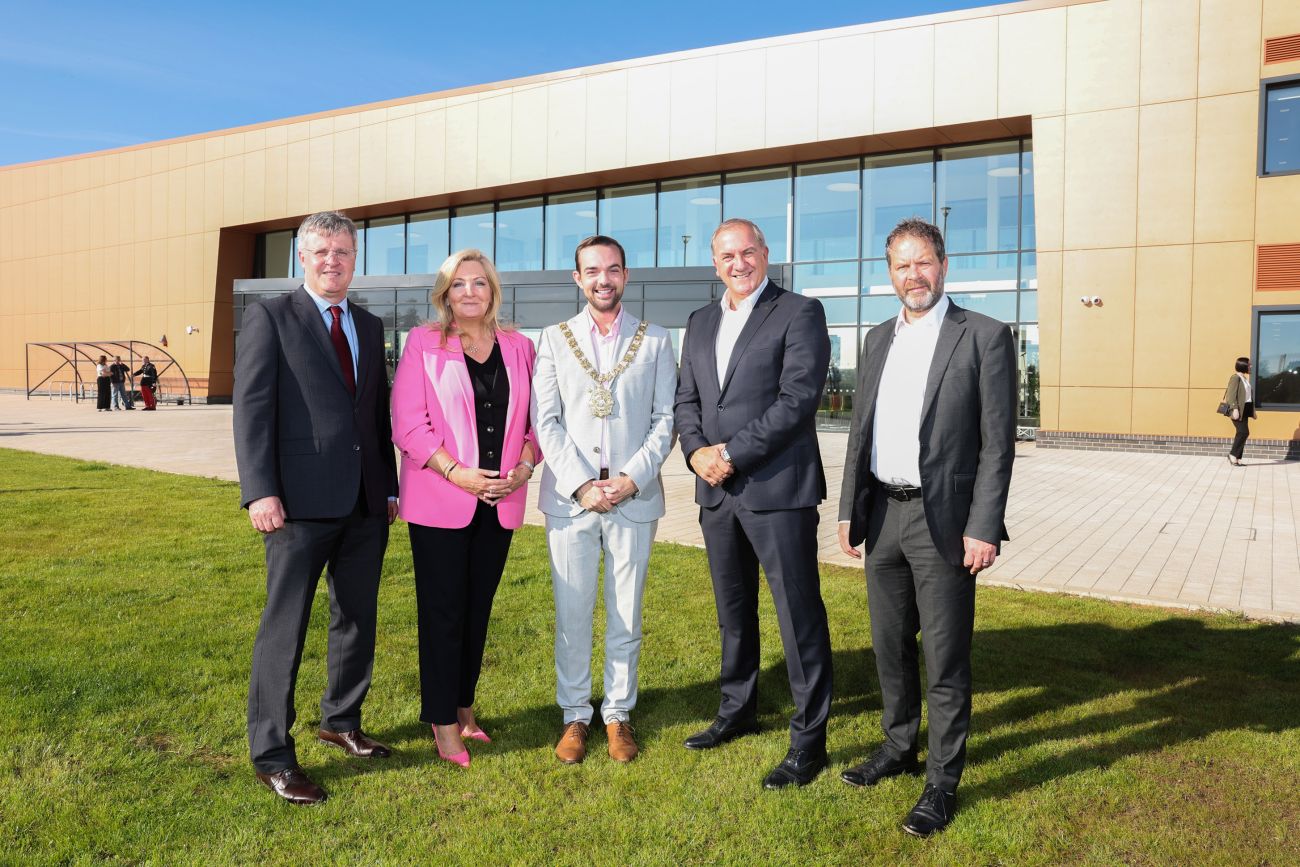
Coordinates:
(1224, 408)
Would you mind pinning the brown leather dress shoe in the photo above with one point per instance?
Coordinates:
(622, 746)
(572, 747)
(356, 743)
(294, 786)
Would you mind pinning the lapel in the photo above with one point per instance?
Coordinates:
(950, 334)
(310, 317)
(456, 361)
(625, 332)
(763, 308)
(509, 360)
(710, 321)
(365, 352)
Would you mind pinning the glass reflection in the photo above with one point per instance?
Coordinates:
(1028, 235)
(277, 254)
(836, 408)
(569, 219)
(763, 197)
(1282, 128)
(981, 273)
(386, 246)
(879, 308)
(688, 213)
(826, 211)
(1277, 358)
(999, 305)
(627, 214)
(472, 226)
(826, 278)
(1030, 408)
(426, 242)
(519, 235)
(893, 189)
(979, 186)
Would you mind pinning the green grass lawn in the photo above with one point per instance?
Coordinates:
(128, 602)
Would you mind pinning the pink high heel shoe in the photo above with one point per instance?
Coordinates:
(461, 758)
(479, 735)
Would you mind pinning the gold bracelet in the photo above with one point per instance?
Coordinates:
(451, 469)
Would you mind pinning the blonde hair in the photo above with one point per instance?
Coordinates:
(442, 287)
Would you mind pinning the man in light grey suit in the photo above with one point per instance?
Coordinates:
(603, 414)
(926, 478)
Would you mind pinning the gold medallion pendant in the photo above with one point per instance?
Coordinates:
(601, 401)
(599, 397)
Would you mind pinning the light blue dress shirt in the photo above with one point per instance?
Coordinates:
(345, 320)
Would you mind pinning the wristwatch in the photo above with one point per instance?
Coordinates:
(726, 456)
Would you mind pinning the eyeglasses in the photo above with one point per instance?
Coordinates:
(337, 253)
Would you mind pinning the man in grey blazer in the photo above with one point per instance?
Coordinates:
(925, 485)
(753, 369)
(318, 477)
(602, 411)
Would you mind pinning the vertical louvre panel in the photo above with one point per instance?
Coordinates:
(1282, 48)
(1277, 267)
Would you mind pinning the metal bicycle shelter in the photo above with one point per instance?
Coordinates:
(73, 353)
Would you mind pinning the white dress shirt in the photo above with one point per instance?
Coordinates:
(729, 328)
(603, 347)
(896, 429)
(1245, 381)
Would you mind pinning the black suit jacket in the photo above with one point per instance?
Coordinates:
(968, 432)
(766, 407)
(299, 435)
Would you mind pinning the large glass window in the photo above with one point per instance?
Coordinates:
(1027, 337)
(472, 227)
(277, 254)
(763, 197)
(386, 246)
(426, 242)
(893, 189)
(569, 219)
(688, 213)
(627, 214)
(1280, 149)
(979, 197)
(1028, 235)
(519, 235)
(826, 211)
(992, 273)
(1277, 357)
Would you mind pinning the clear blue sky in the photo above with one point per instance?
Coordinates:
(78, 76)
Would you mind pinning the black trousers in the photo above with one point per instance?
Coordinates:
(351, 551)
(911, 588)
(784, 543)
(103, 392)
(456, 577)
(1243, 430)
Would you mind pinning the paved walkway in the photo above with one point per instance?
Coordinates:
(1169, 530)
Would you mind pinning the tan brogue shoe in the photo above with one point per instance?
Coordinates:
(622, 746)
(572, 747)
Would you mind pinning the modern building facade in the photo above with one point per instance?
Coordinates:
(1116, 180)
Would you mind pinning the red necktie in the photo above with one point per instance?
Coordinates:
(341, 349)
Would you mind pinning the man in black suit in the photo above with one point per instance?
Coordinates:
(318, 477)
(752, 372)
(925, 485)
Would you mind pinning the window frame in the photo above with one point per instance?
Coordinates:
(1265, 85)
(1255, 312)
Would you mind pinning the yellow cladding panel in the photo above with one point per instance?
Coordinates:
(1169, 47)
(566, 145)
(1049, 407)
(1162, 317)
(527, 144)
(740, 81)
(296, 187)
(1268, 425)
(1281, 18)
(649, 94)
(399, 180)
(605, 121)
(792, 79)
(346, 168)
(1277, 219)
(232, 194)
(373, 164)
(845, 86)
(177, 203)
(1222, 282)
(494, 139)
(1103, 410)
(1230, 46)
(1204, 421)
(277, 176)
(254, 195)
(966, 71)
(1166, 172)
(1100, 178)
(1159, 411)
(430, 151)
(158, 204)
(1101, 55)
(904, 79)
(1050, 302)
(461, 167)
(693, 111)
(1227, 138)
(1097, 341)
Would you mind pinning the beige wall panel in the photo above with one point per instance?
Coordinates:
(1227, 137)
(297, 132)
(494, 140)
(344, 122)
(321, 127)
(194, 208)
(1049, 181)
(1170, 43)
(1230, 46)
(649, 97)
(276, 136)
(1281, 18)
(176, 201)
(297, 159)
(1100, 178)
(1269, 425)
(178, 155)
(528, 133)
(606, 121)
(1162, 321)
(566, 127)
(214, 148)
(461, 170)
(213, 193)
(1097, 342)
(320, 173)
(277, 182)
(125, 213)
(347, 168)
(1101, 55)
(254, 140)
(792, 83)
(430, 145)
(174, 286)
(373, 163)
(1105, 410)
(232, 193)
(1203, 421)
(68, 288)
(1166, 172)
(143, 201)
(194, 151)
(741, 112)
(396, 112)
(192, 264)
(1050, 302)
(1222, 288)
(399, 180)
(97, 214)
(370, 116)
(966, 71)
(904, 79)
(79, 202)
(1277, 217)
(254, 194)
(158, 193)
(693, 112)
(1159, 410)
(81, 173)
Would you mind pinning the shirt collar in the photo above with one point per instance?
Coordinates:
(747, 303)
(933, 319)
(324, 305)
(614, 327)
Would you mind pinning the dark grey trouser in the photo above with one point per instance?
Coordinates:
(351, 550)
(911, 588)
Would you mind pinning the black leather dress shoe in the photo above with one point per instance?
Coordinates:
(798, 768)
(293, 785)
(720, 732)
(880, 766)
(932, 812)
(356, 743)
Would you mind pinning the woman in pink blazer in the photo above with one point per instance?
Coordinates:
(460, 420)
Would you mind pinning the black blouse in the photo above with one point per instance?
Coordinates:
(491, 400)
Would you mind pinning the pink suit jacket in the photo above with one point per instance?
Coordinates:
(433, 406)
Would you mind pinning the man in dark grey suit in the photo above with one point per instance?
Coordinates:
(318, 477)
(925, 485)
(752, 372)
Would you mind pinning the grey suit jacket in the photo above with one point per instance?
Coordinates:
(766, 407)
(968, 432)
(299, 435)
(640, 431)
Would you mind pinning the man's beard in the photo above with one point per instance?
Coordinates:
(926, 302)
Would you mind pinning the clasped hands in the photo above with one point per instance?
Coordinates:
(602, 495)
(708, 463)
(489, 485)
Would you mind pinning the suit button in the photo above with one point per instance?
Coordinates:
(596, 450)
(356, 448)
(719, 407)
(491, 429)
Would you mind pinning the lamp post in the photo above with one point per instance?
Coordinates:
(945, 209)
(686, 239)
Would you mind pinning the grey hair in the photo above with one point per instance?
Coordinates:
(327, 223)
(735, 223)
